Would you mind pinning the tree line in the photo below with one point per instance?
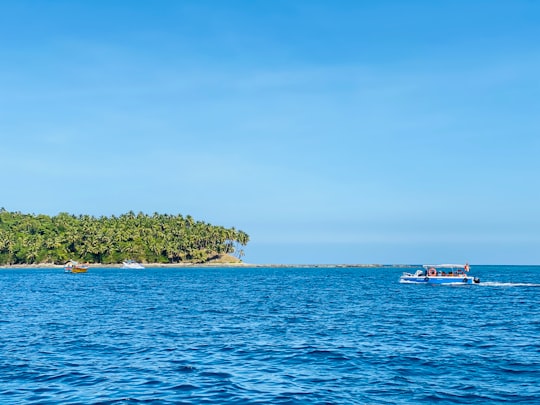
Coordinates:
(156, 238)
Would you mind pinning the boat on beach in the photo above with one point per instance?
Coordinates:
(75, 267)
(440, 274)
(131, 264)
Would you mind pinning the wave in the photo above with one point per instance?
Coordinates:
(500, 284)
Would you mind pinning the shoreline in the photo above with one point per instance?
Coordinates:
(184, 265)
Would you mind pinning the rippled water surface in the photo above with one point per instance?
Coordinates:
(260, 335)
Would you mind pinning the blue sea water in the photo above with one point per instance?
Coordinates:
(267, 336)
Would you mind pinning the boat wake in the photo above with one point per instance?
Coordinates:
(498, 284)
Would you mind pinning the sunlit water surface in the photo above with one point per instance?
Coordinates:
(267, 335)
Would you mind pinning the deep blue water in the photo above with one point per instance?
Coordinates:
(267, 336)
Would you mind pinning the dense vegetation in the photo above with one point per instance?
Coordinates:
(159, 238)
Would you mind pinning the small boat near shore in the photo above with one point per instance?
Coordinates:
(440, 274)
(132, 264)
(75, 267)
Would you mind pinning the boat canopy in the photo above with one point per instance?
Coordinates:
(444, 266)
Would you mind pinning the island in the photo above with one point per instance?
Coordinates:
(30, 239)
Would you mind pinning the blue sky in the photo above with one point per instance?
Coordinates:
(329, 131)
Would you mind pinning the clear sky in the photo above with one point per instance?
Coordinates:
(329, 131)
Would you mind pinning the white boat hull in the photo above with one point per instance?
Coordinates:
(438, 279)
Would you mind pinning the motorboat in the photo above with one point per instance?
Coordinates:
(75, 267)
(440, 274)
(131, 264)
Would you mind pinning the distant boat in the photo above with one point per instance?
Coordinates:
(131, 264)
(74, 267)
(440, 274)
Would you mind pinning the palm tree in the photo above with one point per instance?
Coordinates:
(28, 238)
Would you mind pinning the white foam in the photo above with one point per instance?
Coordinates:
(497, 284)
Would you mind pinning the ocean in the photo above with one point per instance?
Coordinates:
(267, 336)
